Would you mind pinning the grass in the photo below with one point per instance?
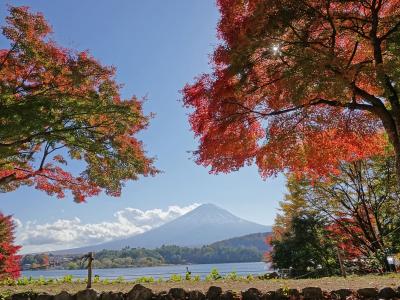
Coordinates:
(214, 275)
(229, 282)
(69, 279)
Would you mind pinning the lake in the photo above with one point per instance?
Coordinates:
(243, 269)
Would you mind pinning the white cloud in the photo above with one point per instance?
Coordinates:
(71, 233)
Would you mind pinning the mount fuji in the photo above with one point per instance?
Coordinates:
(203, 225)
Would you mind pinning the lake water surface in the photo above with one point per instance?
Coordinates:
(243, 269)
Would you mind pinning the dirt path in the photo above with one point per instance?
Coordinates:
(327, 283)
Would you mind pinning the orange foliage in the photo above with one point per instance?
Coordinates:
(297, 86)
(58, 105)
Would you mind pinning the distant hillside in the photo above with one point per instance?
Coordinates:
(255, 240)
(204, 225)
(248, 248)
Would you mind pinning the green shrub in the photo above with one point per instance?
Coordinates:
(188, 276)
(23, 281)
(67, 279)
(214, 275)
(41, 281)
(175, 278)
(144, 279)
(119, 279)
(232, 276)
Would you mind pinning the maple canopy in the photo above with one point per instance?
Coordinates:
(9, 260)
(299, 86)
(58, 105)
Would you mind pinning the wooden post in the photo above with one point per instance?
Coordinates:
(342, 270)
(90, 258)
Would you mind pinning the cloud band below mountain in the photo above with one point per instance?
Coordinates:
(71, 233)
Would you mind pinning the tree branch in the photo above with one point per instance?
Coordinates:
(389, 32)
(314, 102)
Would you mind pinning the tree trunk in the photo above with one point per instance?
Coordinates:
(397, 157)
(396, 139)
(390, 123)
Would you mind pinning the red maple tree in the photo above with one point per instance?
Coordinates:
(349, 238)
(59, 105)
(9, 260)
(299, 86)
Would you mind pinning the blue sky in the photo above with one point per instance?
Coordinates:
(157, 46)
